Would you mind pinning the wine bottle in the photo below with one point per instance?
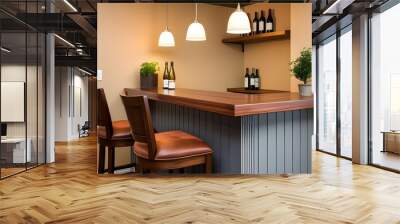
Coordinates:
(246, 79)
(270, 22)
(261, 22)
(252, 79)
(165, 76)
(251, 28)
(255, 23)
(172, 77)
(257, 80)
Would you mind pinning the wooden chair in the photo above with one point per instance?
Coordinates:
(163, 150)
(110, 134)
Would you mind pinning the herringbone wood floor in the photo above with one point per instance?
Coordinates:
(70, 191)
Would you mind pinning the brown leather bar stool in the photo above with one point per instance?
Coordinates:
(110, 134)
(164, 150)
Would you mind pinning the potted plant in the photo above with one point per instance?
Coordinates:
(149, 75)
(301, 69)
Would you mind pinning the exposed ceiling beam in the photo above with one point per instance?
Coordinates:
(84, 24)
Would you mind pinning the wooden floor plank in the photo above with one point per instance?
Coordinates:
(70, 191)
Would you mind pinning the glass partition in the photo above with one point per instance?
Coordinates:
(22, 77)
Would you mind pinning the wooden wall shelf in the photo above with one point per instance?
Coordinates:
(263, 37)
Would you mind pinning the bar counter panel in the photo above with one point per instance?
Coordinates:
(268, 143)
(249, 134)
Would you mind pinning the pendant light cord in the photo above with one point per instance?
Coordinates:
(166, 15)
(196, 13)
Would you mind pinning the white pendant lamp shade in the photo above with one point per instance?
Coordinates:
(196, 31)
(238, 22)
(166, 39)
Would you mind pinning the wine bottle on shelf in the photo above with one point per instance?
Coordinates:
(165, 76)
(270, 22)
(251, 28)
(172, 77)
(257, 80)
(246, 79)
(252, 79)
(261, 22)
(255, 23)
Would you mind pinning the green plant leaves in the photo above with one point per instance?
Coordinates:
(301, 67)
(149, 68)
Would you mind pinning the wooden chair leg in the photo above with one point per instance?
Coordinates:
(102, 156)
(208, 164)
(111, 159)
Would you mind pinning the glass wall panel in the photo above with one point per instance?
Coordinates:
(22, 88)
(385, 89)
(346, 92)
(13, 86)
(327, 95)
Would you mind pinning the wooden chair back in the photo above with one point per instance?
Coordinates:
(139, 117)
(103, 113)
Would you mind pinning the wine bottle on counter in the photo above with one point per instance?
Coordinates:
(257, 80)
(261, 22)
(252, 79)
(172, 77)
(246, 79)
(270, 22)
(165, 76)
(255, 23)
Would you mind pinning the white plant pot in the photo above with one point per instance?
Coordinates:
(305, 90)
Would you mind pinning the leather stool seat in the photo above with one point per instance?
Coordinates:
(121, 130)
(174, 145)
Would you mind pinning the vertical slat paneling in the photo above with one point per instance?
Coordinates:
(303, 141)
(263, 143)
(272, 143)
(296, 141)
(280, 142)
(310, 115)
(225, 150)
(234, 145)
(288, 142)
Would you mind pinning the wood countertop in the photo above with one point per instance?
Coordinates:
(228, 103)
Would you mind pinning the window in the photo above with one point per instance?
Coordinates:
(346, 92)
(385, 89)
(327, 95)
(334, 95)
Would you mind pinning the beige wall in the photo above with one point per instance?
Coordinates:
(128, 36)
(271, 58)
(301, 34)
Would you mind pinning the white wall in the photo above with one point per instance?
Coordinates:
(70, 84)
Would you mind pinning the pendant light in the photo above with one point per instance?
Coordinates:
(196, 31)
(166, 38)
(238, 22)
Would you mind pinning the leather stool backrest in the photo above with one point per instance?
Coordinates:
(139, 117)
(103, 113)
